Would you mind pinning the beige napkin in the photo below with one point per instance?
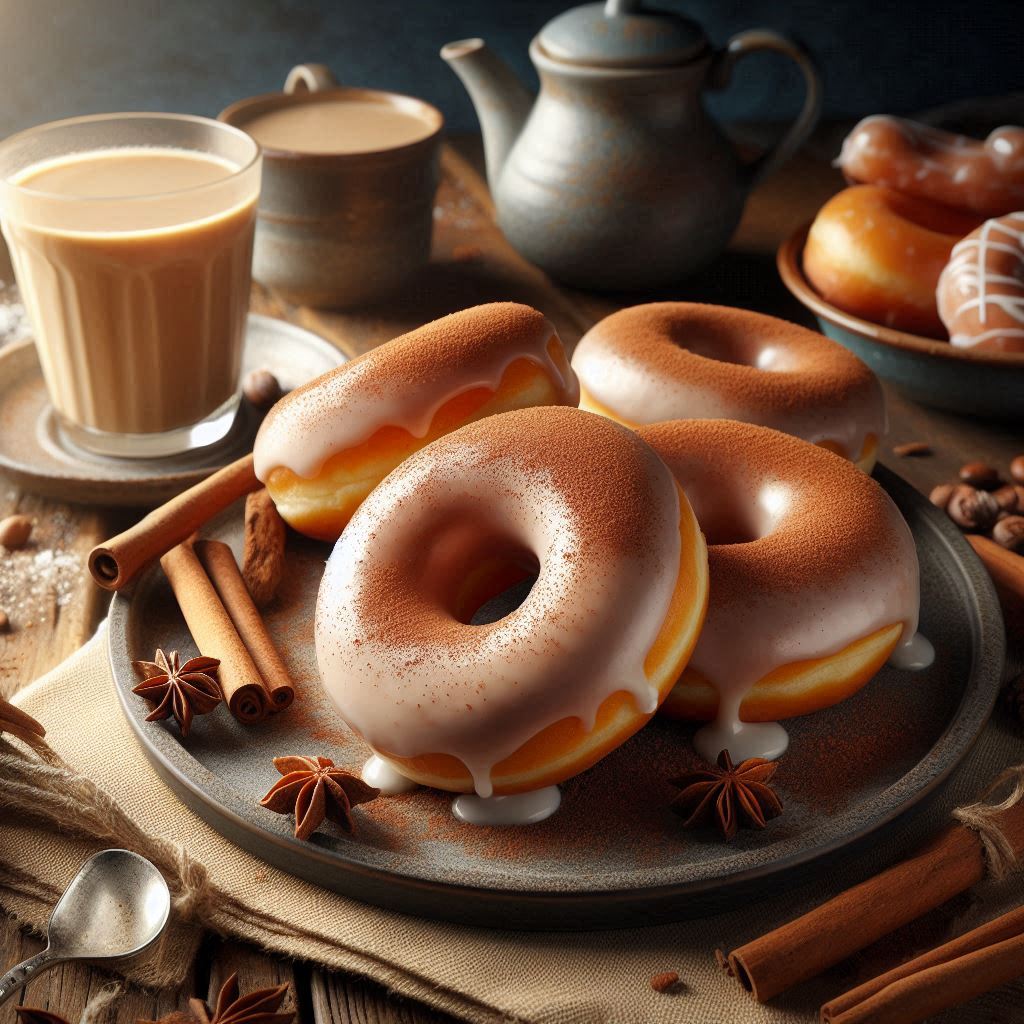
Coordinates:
(477, 974)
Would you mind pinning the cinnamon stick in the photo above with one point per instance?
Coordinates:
(1005, 567)
(220, 565)
(215, 635)
(263, 549)
(951, 863)
(117, 562)
(947, 976)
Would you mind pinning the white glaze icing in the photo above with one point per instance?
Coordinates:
(383, 775)
(414, 680)
(774, 381)
(517, 809)
(817, 556)
(346, 406)
(986, 176)
(742, 739)
(981, 290)
(913, 654)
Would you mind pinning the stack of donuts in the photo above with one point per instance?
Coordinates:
(698, 536)
(929, 237)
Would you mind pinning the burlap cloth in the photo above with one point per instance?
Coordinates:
(476, 974)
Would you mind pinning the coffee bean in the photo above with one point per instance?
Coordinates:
(1009, 532)
(1007, 498)
(941, 494)
(972, 509)
(980, 474)
(1017, 469)
(261, 388)
(15, 532)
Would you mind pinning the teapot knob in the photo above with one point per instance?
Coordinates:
(616, 8)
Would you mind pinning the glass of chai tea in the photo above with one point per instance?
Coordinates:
(131, 238)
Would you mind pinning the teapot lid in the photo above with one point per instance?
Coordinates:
(621, 34)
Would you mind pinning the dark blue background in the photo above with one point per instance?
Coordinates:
(64, 57)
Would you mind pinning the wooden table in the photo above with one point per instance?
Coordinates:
(472, 263)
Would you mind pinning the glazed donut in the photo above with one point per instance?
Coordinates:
(543, 693)
(981, 291)
(985, 178)
(326, 445)
(681, 360)
(878, 254)
(814, 574)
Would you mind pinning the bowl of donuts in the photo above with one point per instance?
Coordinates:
(918, 266)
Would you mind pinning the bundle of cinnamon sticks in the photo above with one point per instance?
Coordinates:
(947, 976)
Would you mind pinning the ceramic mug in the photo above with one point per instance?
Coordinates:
(339, 229)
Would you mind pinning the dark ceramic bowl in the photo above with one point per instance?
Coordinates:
(989, 384)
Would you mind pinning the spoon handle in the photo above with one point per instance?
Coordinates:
(23, 973)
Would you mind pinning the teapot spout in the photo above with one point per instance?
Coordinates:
(501, 102)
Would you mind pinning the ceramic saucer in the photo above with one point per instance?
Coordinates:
(36, 455)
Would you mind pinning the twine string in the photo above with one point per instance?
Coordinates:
(983, 818)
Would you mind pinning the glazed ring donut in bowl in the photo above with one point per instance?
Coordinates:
(981, 291)
(544, 692)
(878, 254)
(814, 581)
(985, 177)
(683, 360)
(978, 381)
(326, 445)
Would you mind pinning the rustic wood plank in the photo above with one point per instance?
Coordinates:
(339, 999)
(255, 970)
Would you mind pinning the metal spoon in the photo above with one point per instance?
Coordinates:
(116, 906)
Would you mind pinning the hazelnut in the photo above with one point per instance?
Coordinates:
(941, 494)
(1007, 498)
(1009, 533)
(980, 474)
(972, 509)
(15, 532)
(261, 388)
(1017, 469)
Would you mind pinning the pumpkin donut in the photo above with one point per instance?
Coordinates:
(326, 445)
(541, 694)
(682, 360)
(814, 574)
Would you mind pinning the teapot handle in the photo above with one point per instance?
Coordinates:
(763, 39)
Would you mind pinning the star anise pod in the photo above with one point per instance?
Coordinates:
(15, 722)
(33, 1015)
(730, 795)
(314, 789)
(260, 1007)
(181, 691)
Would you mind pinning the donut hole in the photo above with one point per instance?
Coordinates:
(735, 515)
(724, 524)
(737, 350)
(493, 582)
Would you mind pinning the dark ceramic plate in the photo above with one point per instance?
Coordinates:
(989, 384)
(614, 854)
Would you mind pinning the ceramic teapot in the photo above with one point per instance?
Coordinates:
(615, 177)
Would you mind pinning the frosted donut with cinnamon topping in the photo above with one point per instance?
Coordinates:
(983, 177)
(682, 360)
(981, 289)
(814, 580)
(541, 694)
(326, 445)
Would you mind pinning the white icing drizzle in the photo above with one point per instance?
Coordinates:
(517, 809)
(913, 653)
(413, 680)
(742, 739)
(348, 405)
(981, 290)
(635, 392)
(383, 775)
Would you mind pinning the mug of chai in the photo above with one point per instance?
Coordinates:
(131, 238)
(349, 177)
